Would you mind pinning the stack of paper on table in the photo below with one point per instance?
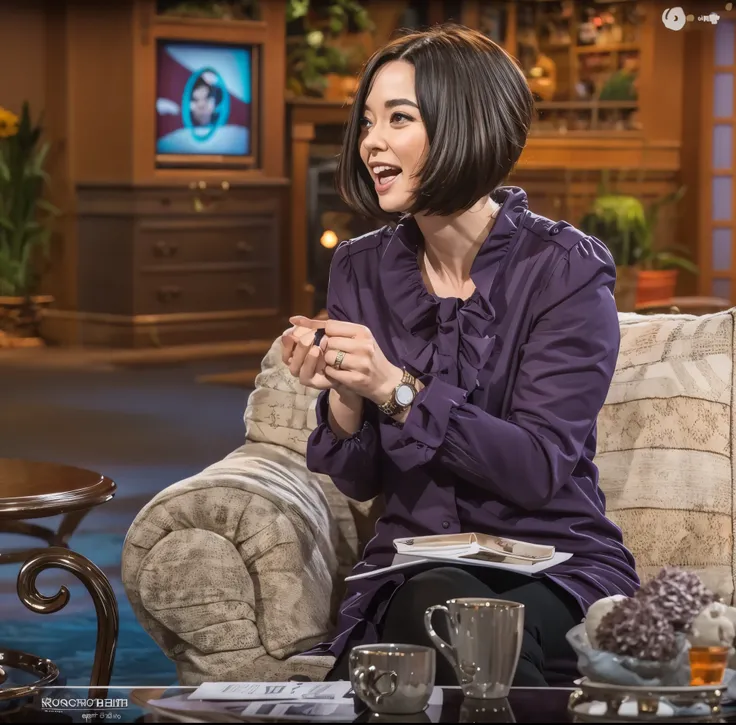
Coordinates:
(242, 701)
(470, 549)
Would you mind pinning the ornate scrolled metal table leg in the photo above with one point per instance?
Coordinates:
(102, 595)
(68, 526)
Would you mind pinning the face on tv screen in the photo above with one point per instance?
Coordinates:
(203, 99)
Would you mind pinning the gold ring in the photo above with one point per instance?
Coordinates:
(338, 359)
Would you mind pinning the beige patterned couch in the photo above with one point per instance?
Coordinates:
(238, 569)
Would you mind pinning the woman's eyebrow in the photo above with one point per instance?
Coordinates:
(400, 102)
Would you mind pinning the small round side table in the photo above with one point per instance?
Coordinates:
(32, 490)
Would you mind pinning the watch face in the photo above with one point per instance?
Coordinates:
(404, 395)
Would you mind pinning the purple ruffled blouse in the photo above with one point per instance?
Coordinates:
(502, 438)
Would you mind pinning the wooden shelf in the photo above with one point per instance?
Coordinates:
(595, 134)
(208, 22)
(587, 105)
(613, 48)
(306, 101)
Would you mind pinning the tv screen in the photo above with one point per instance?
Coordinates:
(204, 99)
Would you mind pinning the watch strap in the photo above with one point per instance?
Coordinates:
(391, 407)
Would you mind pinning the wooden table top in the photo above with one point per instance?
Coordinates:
(30, 489)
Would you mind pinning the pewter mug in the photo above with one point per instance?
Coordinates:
(485, 643)
(393, 679)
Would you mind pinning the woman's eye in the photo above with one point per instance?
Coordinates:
(364, 122)
(399, 118)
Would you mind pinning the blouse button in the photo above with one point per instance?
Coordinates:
(445, 524)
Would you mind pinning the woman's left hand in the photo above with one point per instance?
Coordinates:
(362, 368)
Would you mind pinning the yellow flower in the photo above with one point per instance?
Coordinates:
(8, 123)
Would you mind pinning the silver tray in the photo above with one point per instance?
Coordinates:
(599, 702)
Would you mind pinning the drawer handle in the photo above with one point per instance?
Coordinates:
(169, 293)
(164, 249)
(246, 289)
(244, 247)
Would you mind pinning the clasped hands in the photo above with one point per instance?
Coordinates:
(347, 359)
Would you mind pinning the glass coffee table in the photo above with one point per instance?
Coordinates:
(524, 705)
(138, 705)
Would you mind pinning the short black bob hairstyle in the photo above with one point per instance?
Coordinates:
(476, 107)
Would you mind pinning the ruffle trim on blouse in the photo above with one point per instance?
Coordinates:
(434, 322)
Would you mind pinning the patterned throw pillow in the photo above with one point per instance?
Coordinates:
(665, 444)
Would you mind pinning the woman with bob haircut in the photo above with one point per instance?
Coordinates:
(469, 349)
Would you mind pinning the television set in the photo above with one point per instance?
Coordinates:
(206, 104)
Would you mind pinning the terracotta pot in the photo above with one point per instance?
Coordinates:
(655, 285)
(626, 288)
(20, 318)
(340, 88)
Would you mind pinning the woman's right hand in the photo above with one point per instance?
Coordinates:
(306, 361)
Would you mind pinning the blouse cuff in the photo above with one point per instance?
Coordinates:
(343, 457)
(425, 428)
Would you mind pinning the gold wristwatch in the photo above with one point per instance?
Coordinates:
(402, 397)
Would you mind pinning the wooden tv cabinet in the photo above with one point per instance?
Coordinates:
(147, 255)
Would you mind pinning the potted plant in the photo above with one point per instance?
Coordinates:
(660, 267)
(628, 227)
(24, 223)
(319, 62)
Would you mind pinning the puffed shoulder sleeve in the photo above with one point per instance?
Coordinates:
(350, 462)
(565, 371)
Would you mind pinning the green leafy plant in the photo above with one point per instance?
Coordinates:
(311, 56)
(628, 228)
(214, 9)
(24, 214)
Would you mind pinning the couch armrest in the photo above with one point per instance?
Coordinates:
(234, 571)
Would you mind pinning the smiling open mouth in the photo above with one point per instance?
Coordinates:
(385, 176)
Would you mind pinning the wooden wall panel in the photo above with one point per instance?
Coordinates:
(23, 55)
(661, 78)
(101, 90)
(691, 177)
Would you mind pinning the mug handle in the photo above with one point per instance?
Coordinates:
(367, 679)
(444, 647)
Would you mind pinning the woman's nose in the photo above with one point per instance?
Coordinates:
(374, 140)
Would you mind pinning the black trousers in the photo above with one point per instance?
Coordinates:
(549, 612)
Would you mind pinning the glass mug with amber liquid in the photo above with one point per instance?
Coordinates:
(707, 665)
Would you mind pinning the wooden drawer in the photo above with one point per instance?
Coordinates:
(251, 240)
(170, 201)
(214, 291)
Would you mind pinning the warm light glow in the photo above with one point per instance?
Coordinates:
(328, 239)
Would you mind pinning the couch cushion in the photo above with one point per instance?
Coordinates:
(665, 444)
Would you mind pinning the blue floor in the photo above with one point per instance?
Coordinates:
(144, 428)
